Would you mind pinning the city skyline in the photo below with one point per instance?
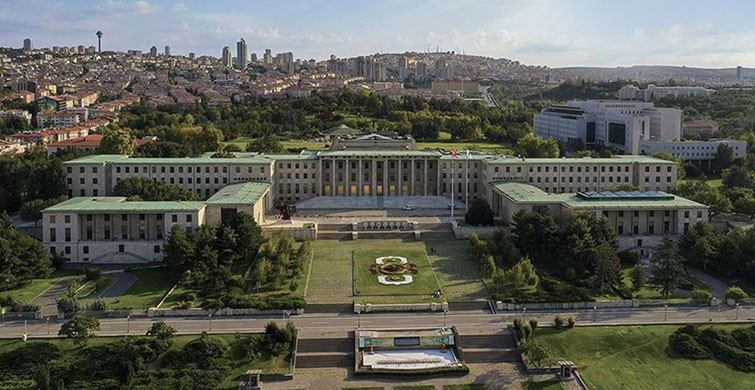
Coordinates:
(538, 32)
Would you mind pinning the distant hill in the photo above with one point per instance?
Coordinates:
(650, 73)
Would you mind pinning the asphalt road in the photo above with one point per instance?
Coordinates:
(317, 325)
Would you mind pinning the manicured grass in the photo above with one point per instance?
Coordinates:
(330, 280)
(457, 271)
(651, 292)
(483, 146)
(93, 289)
(363, 388)
(147, 290)
(545, 385)
(175, 297)
(27, 292)
(635, 357)
(424, 281)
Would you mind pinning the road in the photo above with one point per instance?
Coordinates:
(488, 97)
(315, 325)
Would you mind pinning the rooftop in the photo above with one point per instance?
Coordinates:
(121, 159)
(617, 159)
(241, 193)
(526, 194)
(118, 204)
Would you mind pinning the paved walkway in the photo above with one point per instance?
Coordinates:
(717, 287)
(46, 300)
(122, 282)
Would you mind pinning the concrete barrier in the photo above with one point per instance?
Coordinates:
(403, 307)
(568, 305)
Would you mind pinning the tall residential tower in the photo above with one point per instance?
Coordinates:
(241, 56)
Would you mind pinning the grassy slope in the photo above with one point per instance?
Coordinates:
(459, 274)
(330, 279)
(146, 292)
(424, 282)
(27, 292)
(635, 358)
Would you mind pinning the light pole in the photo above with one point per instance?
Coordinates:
(128, 323)
(665, 312)
(445, 312)
(359, 319)
(209, 318)
(26, 331)
(737, 306)
(48, 325)
(594, 314)
(524, 313)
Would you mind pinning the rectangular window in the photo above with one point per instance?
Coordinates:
(121, 248)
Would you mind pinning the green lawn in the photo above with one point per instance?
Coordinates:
(93, 289)
(238, 362)
(27, 292)
(424, 281)
(545, 385)
(650, 292)
(470, 386)
(635, 357)
(363, 388)
(713, 182)
(416, 387)
(457, 271)
(146, 292)
(330, 280)
(175, 297)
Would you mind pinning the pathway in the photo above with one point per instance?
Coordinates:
(46, 300)
(717, 287)
(122, 282)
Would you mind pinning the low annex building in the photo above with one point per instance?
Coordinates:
(640, 218)
(117, 231)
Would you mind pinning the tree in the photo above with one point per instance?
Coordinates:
(67, 304)
(723, 159)
(745, 205)
(536, 234)
(43, 378)
(267, 144)
(32, 211)
(479, 213)
(737, 176)
(178, 250)
(22, 258)
(117, 141)
(607, 267)
(638, 278)
(522, 275)
(208, 139)
(161, 331)
(666, 268)
(80, 329)
(698, 245)
(736, 293)
(533, 146)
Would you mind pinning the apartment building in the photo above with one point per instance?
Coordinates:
(652, 92)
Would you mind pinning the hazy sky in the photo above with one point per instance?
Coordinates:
(708, 33)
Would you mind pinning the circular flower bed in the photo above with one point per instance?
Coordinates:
(392, 267)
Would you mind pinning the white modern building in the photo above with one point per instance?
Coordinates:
(622, 124)
(652, 92)
(700, 153)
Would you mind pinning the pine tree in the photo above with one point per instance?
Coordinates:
(666, 268)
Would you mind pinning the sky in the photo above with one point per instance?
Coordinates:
(554, 33)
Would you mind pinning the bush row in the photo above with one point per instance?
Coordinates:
(736, 349)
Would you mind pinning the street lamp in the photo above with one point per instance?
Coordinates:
(209, 318)
(359, 319)
(445, 312)
(48, 325)
(594, 314)
(737, 306)
(665, 312)
(128, 323)
(524, 313)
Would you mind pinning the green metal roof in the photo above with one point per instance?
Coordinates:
(241, 193)
(122, 159)
(118, 204)
(526, 194)
(579, 160)
(380, 153)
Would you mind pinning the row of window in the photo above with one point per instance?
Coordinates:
(85, 250)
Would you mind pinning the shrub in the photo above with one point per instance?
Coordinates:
(745, 337)
(701, 296)
(736, 294)
(519, 329)
(67, 304)
(527, 330)
(572, 321)
(533, 324)
(92, 273)
(98, 305)
(685, 345)
(558, 321)
(628, 257)
(537, 353)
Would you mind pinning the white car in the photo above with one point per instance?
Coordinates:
(408, 207)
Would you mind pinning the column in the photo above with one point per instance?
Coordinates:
(411, 176)
(346, 179)
(333, 177)
(359, 179)
(424, 179)
(319, 176)
(437, 182)
(373, 178)
(400, 181)
(385, 177)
